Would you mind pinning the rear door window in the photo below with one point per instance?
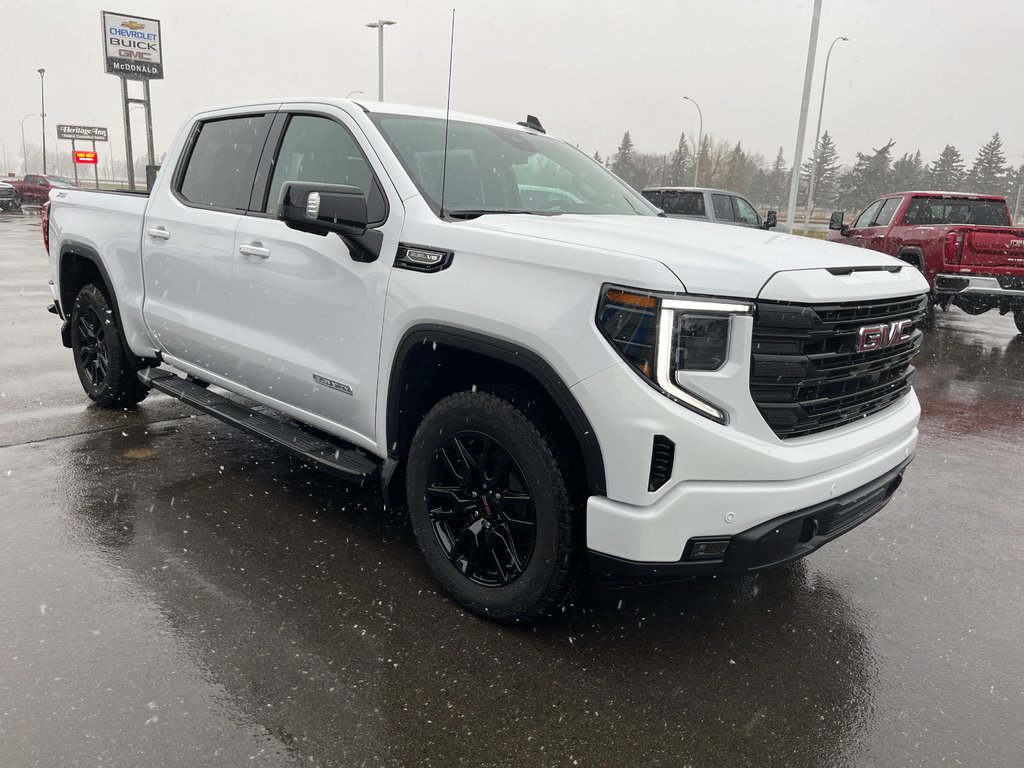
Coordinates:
(723, 207)
(221, 165)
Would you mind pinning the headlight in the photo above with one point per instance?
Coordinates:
(663, 335)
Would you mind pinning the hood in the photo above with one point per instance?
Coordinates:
(713, 259)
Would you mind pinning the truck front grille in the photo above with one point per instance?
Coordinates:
(807, 374)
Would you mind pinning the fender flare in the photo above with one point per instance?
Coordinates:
(912, 254)
(85, 252)
(512, 354)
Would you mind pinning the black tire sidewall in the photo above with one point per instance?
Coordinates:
(539, 585)
(120, 386)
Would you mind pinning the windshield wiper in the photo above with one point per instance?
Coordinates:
(472, 213)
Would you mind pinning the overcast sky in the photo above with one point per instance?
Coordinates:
(922, 72)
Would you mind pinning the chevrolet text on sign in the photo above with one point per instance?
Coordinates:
(132, 47)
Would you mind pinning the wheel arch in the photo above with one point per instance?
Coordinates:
(431, 348)
(913, 255)
(78, 266)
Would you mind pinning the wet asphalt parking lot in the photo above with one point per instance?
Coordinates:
(175, 593)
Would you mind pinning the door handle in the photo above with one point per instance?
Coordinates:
(159, 233)
(255, 251)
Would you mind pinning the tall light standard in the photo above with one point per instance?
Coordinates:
(24, 149)
(379, 26)
(42, 112)
(817, 136)
(700, 139)
(801, 126)
(350, 94)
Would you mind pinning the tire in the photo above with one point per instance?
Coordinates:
(490, 507)
(1018, 319)
(103, 364)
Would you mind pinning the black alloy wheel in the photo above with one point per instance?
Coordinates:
(92, 347)
(108, 372)
(481, 509)
(488, 486)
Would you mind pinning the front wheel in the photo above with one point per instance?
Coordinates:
(103, 364)
(490, 507)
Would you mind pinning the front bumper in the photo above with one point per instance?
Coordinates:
(775, 542)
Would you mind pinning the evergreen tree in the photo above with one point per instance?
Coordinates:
(947, 173)
(871, 177)
(624, 164)
(826, 175)
(734, 174)
(908, 173)
(678, 167)
(989, 174)
(597, 157)
(778, 181)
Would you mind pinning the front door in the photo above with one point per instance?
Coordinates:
(308, 317)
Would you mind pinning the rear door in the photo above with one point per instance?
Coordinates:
(308, 317)
(188, 240)
(724, 213)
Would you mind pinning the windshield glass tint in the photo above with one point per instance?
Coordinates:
(496, 169)
(935, 210)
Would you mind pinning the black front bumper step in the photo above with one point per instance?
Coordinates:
(336, 459)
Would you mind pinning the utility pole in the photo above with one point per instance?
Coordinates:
(42, 112)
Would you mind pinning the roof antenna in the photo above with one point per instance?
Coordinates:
(447, 112)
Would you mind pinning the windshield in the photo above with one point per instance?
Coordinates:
(492, 169)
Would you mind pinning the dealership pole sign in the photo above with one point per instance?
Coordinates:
(132, 47)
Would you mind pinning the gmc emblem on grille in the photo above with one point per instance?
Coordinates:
(871, 337)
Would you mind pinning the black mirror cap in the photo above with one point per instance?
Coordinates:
(771, 219)
(321, 208)
(835, 221)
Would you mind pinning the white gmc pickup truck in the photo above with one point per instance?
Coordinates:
(547, 372)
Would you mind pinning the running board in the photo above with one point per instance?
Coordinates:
(335, 459)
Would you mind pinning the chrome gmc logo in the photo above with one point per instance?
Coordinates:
(872, 337)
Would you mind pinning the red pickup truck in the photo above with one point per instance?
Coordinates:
(964, 244)
(35, 187)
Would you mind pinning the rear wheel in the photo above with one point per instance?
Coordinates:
(103, 365)
(490, 508)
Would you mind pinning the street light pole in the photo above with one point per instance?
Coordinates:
(42, 112)
(817, 137)
(350, 94)
(700, 139)
(794, 182)
(379, 26)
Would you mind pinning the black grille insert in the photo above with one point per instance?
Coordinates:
(806, 374)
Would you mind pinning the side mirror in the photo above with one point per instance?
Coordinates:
(835, 221)
(321, 208)
(771, 220)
